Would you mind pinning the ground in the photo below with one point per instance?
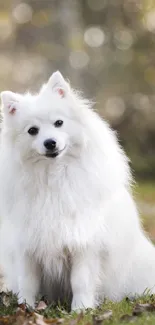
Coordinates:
(140, 311)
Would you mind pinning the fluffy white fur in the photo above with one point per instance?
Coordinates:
(69, 222)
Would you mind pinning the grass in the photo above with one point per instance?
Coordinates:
(144, 194)
(145, 191)
(139, 312)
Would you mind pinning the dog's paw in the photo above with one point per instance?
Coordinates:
(29, 301)
(80, 304)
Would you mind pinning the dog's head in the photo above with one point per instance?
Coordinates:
(44, 125)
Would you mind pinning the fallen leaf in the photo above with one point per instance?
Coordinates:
(73, 322)
(100, 318)
(141, 308)
(60, 320)
(20, 311)
(39, 319)
(22, 307)
(41, 306)
(7, 320)
(21, 320)
(6, 300)
(52, 321)
(128, 318)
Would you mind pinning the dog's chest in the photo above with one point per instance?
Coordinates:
(61, 225)
(55, 214)
(54, 224)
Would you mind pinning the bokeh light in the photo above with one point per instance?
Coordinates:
(123, 39)
(149, 21)
(115, 108)
(22, 13)
(78, 59)
(94, 36)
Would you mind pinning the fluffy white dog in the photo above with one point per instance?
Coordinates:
(69, 219)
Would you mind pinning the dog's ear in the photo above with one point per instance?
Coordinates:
(9, 102)
(58, 84)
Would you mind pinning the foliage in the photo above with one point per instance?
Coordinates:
(138, 311)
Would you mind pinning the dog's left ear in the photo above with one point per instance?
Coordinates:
(58, 84)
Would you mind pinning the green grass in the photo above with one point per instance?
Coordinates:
(145, 191)
(122, 312)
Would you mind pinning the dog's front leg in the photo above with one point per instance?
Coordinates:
(28, 280)
(84, 278)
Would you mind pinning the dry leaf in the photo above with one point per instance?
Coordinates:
(60, 320)
(6, 300)
(100, 318)
(21, 320)
(128, 318)
(41, 306)
(20, 311)
(39, 319)
(22, 307)
(73, 322)
(52, 321)
(141, 308)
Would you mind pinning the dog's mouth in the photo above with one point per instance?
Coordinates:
(54, 154)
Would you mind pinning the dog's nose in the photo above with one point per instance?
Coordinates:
(50, 144)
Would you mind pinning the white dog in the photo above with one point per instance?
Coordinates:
(68, 216)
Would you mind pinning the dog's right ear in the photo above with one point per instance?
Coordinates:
(58, 84)
(9, 102)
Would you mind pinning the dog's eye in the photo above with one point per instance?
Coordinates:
(58, 123)
(33, 130)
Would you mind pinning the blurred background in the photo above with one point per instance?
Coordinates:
(107, 49)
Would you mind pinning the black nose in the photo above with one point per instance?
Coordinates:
(50, 144)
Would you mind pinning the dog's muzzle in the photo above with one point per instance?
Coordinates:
(52, 154)
(51, 149)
